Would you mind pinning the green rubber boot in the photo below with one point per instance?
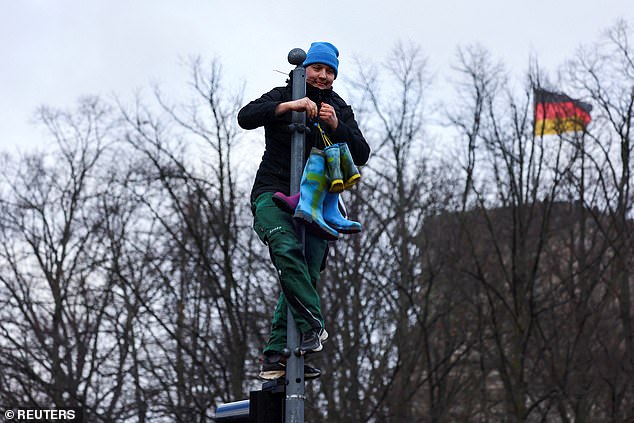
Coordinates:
(350, 172)
(333, 159)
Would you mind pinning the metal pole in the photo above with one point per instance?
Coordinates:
(294, 405)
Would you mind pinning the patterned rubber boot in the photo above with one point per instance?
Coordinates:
(312, 192)
(351, 174)
(333, 159)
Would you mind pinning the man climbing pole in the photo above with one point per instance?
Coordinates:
(331, 121)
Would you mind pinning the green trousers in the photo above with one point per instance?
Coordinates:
(298, 269)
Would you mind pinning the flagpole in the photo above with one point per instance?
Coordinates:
(294, 410)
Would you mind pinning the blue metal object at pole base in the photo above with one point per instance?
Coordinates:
(263, 406)
(233, 412)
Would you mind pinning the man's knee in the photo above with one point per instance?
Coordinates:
(284, 244)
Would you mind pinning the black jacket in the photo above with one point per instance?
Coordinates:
(274, 172)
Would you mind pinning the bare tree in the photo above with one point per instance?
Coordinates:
(537, 262)
(604, 73)
(210, 279)
(132, 283)
(59, 317)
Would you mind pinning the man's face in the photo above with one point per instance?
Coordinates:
(320, 76)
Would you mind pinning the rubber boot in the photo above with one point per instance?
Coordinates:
(333, 158)
(350, 172)
(286, 203)
(312, 192)
(335, 219)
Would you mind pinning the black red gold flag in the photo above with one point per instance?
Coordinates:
(556, 113)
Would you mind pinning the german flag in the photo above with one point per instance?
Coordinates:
(556, 113)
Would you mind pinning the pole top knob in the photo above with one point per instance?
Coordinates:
(296, 56)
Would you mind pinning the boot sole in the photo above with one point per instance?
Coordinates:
(346, 231)
(314, 227)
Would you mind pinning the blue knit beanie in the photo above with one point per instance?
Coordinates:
(321, 52)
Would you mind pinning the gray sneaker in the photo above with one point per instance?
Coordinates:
(323, 335)
(311, 341)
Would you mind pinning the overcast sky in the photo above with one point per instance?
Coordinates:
(54, 51)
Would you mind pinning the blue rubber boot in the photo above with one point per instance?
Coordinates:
(350, 172)
(335, 219)
(312, 192)
(333, 159)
